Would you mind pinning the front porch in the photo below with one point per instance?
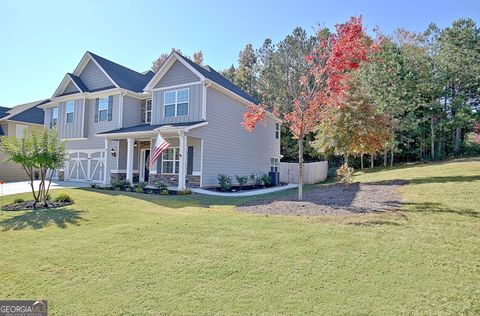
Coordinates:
(179, 166)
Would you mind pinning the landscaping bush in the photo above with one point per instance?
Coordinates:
(93, 185)
(140, 187)
(241, 181)
(18, 200)
(345, 174)
(225, 182)
(252, 178)
(266, 180)
(122, 185)
(184, 192)
(63, 197)
(162, 186)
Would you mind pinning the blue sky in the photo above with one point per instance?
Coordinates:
(42, 40)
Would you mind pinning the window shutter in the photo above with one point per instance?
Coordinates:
(159, 163)
(110, 106)
(96, 110)
(190, 160)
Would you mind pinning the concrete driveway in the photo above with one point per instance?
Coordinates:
(24, 186)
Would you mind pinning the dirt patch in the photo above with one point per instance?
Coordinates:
(29, 205)
(335, 199)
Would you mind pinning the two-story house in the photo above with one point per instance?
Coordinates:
(110, 116)
(14, 122)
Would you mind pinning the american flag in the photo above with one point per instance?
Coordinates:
(160, 145)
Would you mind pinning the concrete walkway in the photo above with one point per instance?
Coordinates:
(246, 193)
(11, 188)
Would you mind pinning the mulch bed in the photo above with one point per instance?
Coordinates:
(28, 205)
(250, 187)
(334, 199)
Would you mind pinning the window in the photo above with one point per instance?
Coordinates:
(102, 109)
(277, 130)
(176, 103)
(70, 111)
(54, 118)
(171, 161)
(274, 162)
(148, 111)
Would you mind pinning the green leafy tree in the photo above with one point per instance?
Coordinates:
(42, 152)
(246, 77)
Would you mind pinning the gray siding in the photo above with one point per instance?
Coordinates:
(194, 106)
(228, 148)
(92, 127)
(70, 88)
(177, 74)
(94, 78)
(74, 129)
(132, 109)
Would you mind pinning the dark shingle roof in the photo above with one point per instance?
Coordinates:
(213, 75)
(146, 127)
(78, 82)
(33, 115)
(124, 77)
(3, 111)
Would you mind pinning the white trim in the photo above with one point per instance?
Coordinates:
(83, 63)
(83, 116)
(178, 86)
(146, 110)
(64, 84)
(166, 66)
(20, 122)
(86, 151)
(204, 99)
(67, 112)
(122, 171)
(148, 134)
(175, 150)
(196, 173)
(120, 111)
(73, 139)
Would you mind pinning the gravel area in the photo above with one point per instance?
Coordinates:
(335, 199)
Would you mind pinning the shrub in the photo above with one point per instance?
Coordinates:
(266, 180)
(184, 192)
(63, 197)
(140, 187)
(18, 200)
(252, 178)
(225, 182)
(241, 181)
(93, 185)
(345, 174)
(162, 186)
(122, 185)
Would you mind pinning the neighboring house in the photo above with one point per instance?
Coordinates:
(13, 122)
(110, 116)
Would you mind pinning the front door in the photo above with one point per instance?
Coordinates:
(144, 171)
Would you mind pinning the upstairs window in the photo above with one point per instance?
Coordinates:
(70, 111)
(148, 111)
(176, 103)
(54, 118)
(103, 109)
(277, 130)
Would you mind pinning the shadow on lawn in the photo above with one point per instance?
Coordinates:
(38, 219)
(440, 208)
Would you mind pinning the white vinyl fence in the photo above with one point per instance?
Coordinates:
(313, 172)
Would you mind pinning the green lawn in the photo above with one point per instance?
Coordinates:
(136, 254)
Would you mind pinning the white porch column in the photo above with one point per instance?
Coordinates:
(183, 157)
(130, 146)
(107, 165)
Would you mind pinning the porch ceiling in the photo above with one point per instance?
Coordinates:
(147, 130)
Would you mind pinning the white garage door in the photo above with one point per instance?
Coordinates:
(85, 166)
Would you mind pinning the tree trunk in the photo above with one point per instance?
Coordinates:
(391, 156)
(385, 157)
(371, 161)
(458, 135)
(432, 136)
(345, 160)
(361, 161)
(300, 168)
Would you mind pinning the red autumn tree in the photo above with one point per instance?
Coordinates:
(304, 116)
(351, 124)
